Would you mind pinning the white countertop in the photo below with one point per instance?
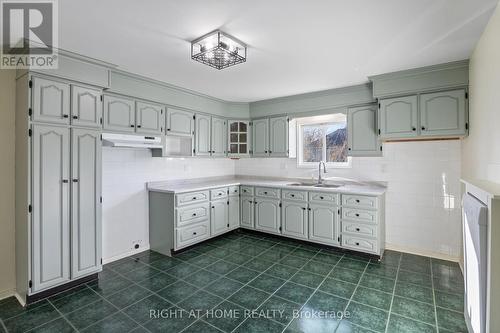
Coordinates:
(204, 184)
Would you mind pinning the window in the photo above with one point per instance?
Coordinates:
(323, 138)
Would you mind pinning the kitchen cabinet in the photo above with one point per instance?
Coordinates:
(362, 137)
(119, 114)
(260, 137)
(278, 137)
(218, 137)
(233, 211)
(180, 122)
(247, 212)
(268, 215)
(238, 138)
(149, 118)
(86, 107)
(202, 136)
(324, 224)
(295, 219)
(219, 217)
(398, 117)
(51, 101)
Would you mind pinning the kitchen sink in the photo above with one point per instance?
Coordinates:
(315, 185)
(327, 185)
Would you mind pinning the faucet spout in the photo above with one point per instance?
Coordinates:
(320, 180)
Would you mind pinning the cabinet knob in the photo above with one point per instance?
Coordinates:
(321, 198)
(303, 208)
(168, 129)
(357, 200)
(75, 180)
(194, 198)
(423, 128)
(265, 192)
(265, 151)
(213, 206)
(219, 194)
(75, 117)
(357, 215)
(64, 180)
(349, 148)
(357, 229)
(270, 152)
(194, 233)
(357, 243)
(194, 214)
(139, 126)
(65, 116)
(132, 126)
(413, 129)
(292, 195)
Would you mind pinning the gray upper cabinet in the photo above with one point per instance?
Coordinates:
(85, 202)
(219, 217)
(149, 118)
(278, 137)
(324, 224)
(443, 113)
(260, 136)
(398, 117)
(180, 122)
(51, 101)
(362, 134)
(247, 212)
(86, 107)
(218, 137)
(51, 219)
(202, 135)
(267, 215)
(119, 114)
(295, 219)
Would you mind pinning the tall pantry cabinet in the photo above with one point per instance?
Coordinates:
(58, 183)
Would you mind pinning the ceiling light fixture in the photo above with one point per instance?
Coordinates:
(218, 50)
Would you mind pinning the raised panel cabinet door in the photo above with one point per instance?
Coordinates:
(362, 138)
(51, 101)
(295, 219)
(267, 215)
(443, 113)
(219, 217)
(149, 118)
(180, 122)
(202, 136)
(234, 212)
(50, 234)
(398, 117)
(278, 137)
(247, 212)
(86, 156)
(260, 137)
(218, 137)
(86, 107)
(119, 114)
(324, 224)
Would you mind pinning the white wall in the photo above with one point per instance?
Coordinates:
(422, 208)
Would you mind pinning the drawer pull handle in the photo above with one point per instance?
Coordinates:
(292, 195)
(194, 233)
(357, 215)
(357, 200)
(235, 191)
(194, 198)
(219, 193)
(357, 243)
(194, 214)
(265, 192)
(357, 229)
(321, 198)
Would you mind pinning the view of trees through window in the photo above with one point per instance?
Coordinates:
(327, 142)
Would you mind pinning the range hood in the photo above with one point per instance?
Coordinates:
(131, 141)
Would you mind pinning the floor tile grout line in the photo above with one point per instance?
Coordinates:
(3, 325)
(393, 293)
(62, 315)
(434, 299)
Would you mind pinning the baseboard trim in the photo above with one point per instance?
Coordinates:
(7, 293)
(20, 299)
(421, 252)
(126, 254)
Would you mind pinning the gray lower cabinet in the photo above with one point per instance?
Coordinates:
(218, 137)
(295, 219)
(362, 137)
(443, 113)
(234, 212)
(267, 215)
(260, 137)
(51, 101)
(247, 212)
(202, 137)
(149, 118)
(324, 224)
(278, 137)
(180, 122)
(86, 107)
(119, 114)
(219, 217)
(398, 117)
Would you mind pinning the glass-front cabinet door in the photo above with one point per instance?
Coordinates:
(239, 138)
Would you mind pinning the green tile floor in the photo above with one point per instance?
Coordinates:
(328, 290)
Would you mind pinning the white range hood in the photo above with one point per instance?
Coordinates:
(131, 141)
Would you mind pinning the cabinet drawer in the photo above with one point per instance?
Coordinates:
(246, 190)
(192, 234)
(191, 198)
(359, 229)
(294, 195)
(360, 244)
(267, 192)
(360, 201)
(353, 214)
(322, 197)
(191, 214)
(218, 193)
(234, 190)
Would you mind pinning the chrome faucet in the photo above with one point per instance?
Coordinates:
(320, 180)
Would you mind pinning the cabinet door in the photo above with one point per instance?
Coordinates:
(324, 224)
(398, 117)
(51, 101)
(180, 122)
(119, 114)
(238, 137)
(247, 212)
(50, 224)
(202, 135)
(295, 219)
(234, 212)
(278, 137)
(218, 137)
(443, 113)
(267, 215)
(85, 202)
(260, 136)
(362, 131)
(219, 217)
(86, 107)
(149, 118)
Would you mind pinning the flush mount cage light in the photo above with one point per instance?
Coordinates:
(218, 50)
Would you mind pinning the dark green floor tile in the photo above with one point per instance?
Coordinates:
(221, 267)
(31, 318)
(238, 258)
(242, 274)
(201, 327)
(174, 322)
(259, 264)
(220, 253)
(188, 255)
(303, 253)
(203, 260)
(59, 325)
(76, 300)
(415, 263)
(451, 320)
(449, 285)
(387, 271)
(346, 326)
(182, 270)
(223, 287)
(390, 258)
(79, 288)
(398, 324)
(352, 264)
(200, 300)
(249, 297)
(157, 282)
(177, 292)
(267, 283)
(141, 273)
(376, 298)
(116, 323)
(128, 296)
(345, 274)
(414, 291)
(377, 282)
(317, 267)
(449, 301)
(275, 254)
(306, 324)
(282, 271)
(90, 314)
(10, 307)
(338, 287)
(280, 309)
(259, 325)
(253, 250)
(367, 316)
(108, 286)
(413, 309)
(165, 264)
(293, 261)
(126, 265)
(139, 329)
(225, 316)
(140, 311)
(321, 301)
(357, 256)
(415, 278)
(452, 272)
(307, 279)
(294, 292)
(148, 257)
(202, 277)
(327, 258)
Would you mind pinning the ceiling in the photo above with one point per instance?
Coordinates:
(295, 46)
